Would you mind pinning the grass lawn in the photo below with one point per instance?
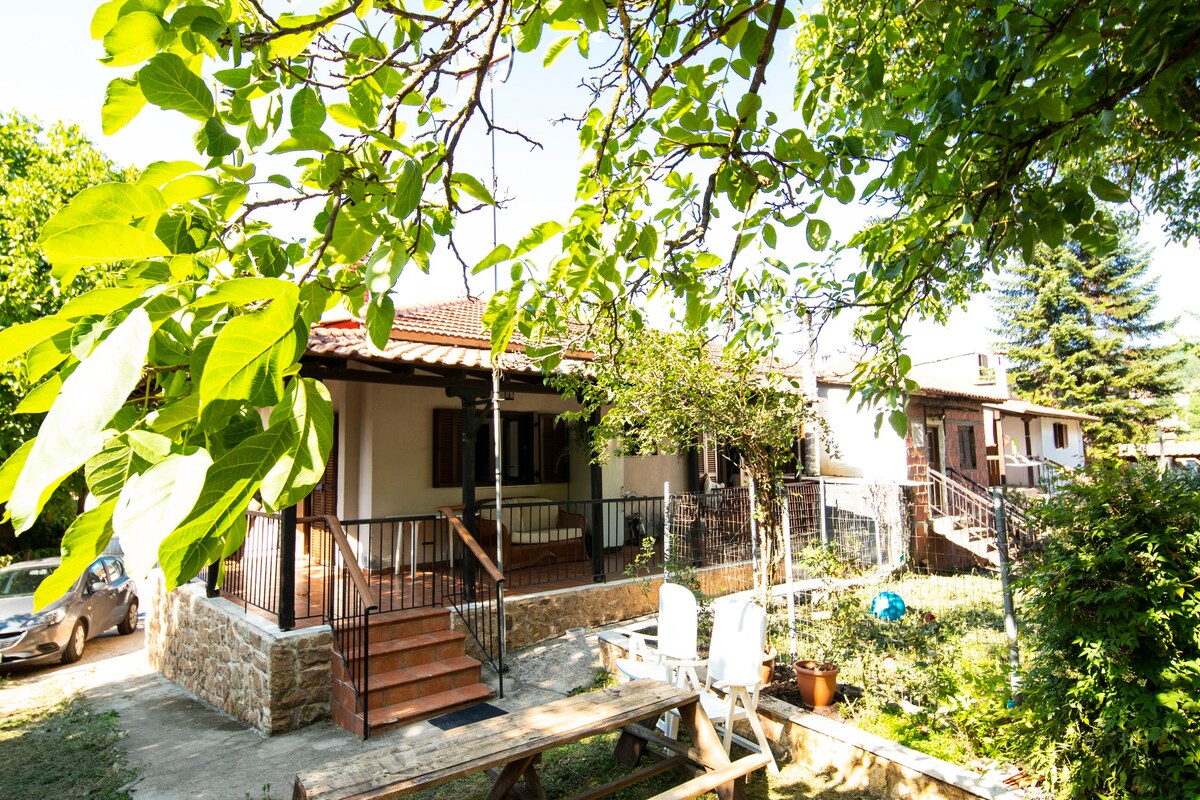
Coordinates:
(64, 750)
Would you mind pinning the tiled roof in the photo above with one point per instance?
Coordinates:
(1024, 407)
(838, 369)
(1151, 450)
(449, 334)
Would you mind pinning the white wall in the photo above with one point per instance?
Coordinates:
(386, 450)
(860, 453)
(1069, 456)
(1041, 433)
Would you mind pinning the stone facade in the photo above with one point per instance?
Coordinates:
(274, 680)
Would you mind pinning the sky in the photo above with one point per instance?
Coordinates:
(50, 68)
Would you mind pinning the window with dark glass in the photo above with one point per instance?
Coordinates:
(966, 446)
(533, 449)
(1060, 435)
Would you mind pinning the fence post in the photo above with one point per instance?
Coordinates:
(666, 531)
(210, 580)
(754, 540)
(787, 566)
(821, 510)
(1010, 616)
(287, 569)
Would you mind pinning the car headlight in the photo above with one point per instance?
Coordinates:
(46, 618)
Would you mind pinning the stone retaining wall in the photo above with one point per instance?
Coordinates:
(536, 618)
(246, 666)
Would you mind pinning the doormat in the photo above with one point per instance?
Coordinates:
(466, 716)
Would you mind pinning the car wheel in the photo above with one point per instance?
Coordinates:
(74, 649)
(129, 624)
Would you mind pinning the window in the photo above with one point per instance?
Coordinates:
(533, 449)
(966, 446)
(1060, 436)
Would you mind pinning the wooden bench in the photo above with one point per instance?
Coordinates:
(516, 741)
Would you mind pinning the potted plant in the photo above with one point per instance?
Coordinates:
(836, 611)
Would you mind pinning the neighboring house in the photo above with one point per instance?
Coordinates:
(965, 435)
(962, 423)
(1175, 454)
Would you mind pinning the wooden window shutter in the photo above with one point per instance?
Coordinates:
(555, 452)
(447, 447)
(708, 458)
(323, 499)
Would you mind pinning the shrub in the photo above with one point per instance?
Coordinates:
(1112, 609)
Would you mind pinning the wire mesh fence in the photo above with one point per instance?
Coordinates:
(856, 553)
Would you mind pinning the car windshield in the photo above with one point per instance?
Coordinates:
(22, 580)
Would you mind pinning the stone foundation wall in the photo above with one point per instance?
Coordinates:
(536, 618)
(274, 680)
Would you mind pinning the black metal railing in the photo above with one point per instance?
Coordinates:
(543, 542)
(475, 592)
(347, 605)
(401, 557)
(251, 575)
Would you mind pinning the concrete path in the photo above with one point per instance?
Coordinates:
(184, 749)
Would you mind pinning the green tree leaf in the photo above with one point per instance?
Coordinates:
(168, 83)
(308, 410)
(817, 231)
(122, 102)
(307, 110)
(188, 187)
(154, 503)
(472, 186)
(248, 359)
(1108, 191)
(229, 485)
(19, 339)
(135, 37)
(73, 430)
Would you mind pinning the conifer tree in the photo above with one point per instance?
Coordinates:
(1081, 334)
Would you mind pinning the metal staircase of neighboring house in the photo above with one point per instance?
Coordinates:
(964, 515)
(397, 661)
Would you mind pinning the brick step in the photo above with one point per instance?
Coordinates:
(411, 651)
(386, 718)
(397, 686)
(409, 622)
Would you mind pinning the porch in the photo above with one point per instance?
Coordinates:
(390, 585)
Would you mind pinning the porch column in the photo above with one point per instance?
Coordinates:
(597, 521)
(287, 569)
(472, 397)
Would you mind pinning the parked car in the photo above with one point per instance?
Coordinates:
(103, 597)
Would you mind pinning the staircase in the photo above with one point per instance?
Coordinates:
(977, 540)
(418, 669)
(964, 518)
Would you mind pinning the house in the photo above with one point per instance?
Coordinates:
(402, 552)
(1170, 451)
(965, 436)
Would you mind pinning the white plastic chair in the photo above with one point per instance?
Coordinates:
(734, 667)
(672, 656)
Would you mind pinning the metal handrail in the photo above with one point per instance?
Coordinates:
(350, 640)
(472, 621)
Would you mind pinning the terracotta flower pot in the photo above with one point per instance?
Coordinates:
(768, 665)
(817, 685)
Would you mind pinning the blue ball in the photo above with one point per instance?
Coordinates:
(888, 606)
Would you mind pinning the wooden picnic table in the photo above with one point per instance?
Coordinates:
(515, 742)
